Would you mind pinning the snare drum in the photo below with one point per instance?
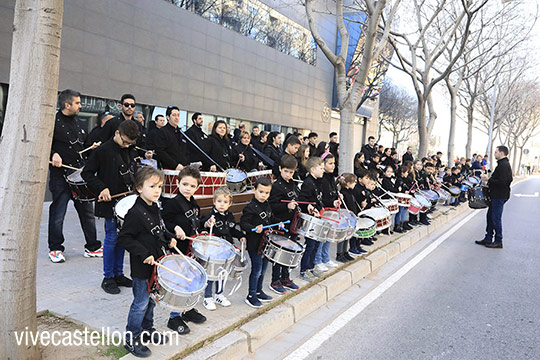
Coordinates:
(381, 216)
(239, 264)
(210, 182)
(79, 188)
(214, 259)
(365, 228)
(431, 195)
(310, 227)
(342, 225)
(174, 292)
(443, 196)
(403, 199)
(415, 206)
(236, 180)
(474, 180)
(282, 250)
(454, 191)
(425, 203)
(466, 185)
(122, 207)
(391, 204)
(148, 162)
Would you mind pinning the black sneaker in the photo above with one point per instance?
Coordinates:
(137, 349)
(194, 316)
(263, 297)
(348, 256)
(289, 284)
(110, 286)
(154, 337)
(253, 302)
(277, 287)
(121, 280)
(340, 258)
(366, 242)
(177, 324)
(362, 251)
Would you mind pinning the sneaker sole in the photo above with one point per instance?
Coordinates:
(276, 291)
(57, 262)
(224, 305)
(251, 305)
(290, 288)
(86, 255)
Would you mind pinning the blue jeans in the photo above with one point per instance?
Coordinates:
(61, 195)
(113, 255)
(308, 259)
(401, 216)
(322, 255)
(256, 276)
(494, 220)
(208, 289)
(141, 312)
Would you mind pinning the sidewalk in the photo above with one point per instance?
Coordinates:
(73, 288)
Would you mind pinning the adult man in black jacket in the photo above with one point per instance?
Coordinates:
(369, 149)
(68, 140)
(408, 156)
(172, 145)
(499, 191)
(197, 135)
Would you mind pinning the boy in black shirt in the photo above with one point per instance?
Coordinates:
(284, 188)
(109, 171)
(144, 248)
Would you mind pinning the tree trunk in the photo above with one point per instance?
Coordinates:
(470, 122)
(516, 147)
(346, 136)
(423, 136)
(521, 156)
(451, 133)
(27, 138)
(432, 116)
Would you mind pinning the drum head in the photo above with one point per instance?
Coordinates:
(222, 252)
(376, 213)
(285, 242)
(415, 203)
(150, 162)
(422, 200)
(122, 207)
(342, 223)
(75, 177)
(236, 175)
(430, 194)
(365, 223)
(180, 265)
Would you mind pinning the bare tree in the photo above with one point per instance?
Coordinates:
(436, 29)
(27, 139)
(397, 113)
(375, 43)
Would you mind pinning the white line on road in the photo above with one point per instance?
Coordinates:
(527, 195)
(316, 340)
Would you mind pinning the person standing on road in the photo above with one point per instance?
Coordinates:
(499, 191)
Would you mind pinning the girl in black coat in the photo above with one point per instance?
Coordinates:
(220, 148)
(247, 159)
(272, 148)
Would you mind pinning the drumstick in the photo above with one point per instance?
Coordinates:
(327, 218)
(118, 195)
(339, 209)
(211, 228)
(241, 251)
(67, 167)
(272, 225)
(203, 241)
(172, 271)
(185, 258)
(298, 202)
(89, 148)
(140, 148)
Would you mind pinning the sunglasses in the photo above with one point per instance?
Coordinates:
(129, 105)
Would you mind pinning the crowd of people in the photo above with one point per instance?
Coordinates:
(307, 179)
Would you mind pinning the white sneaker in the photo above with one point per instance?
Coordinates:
(93, 254)
(57, 256)
(321, 268)
(222, 300)
(331, 264)
(209, 304)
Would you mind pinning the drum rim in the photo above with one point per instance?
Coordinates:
(207, 259)
(175, 291)
(271, 242)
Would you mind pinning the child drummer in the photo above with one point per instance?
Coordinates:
(181, 216)
(144, 248)
(347, 183)
(225, 228)
(257, 214)
(363, 196)
(311, 192)
(283, 203)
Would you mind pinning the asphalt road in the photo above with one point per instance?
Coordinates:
(463, 301)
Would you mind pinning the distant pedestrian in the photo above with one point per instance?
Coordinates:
(499, 192)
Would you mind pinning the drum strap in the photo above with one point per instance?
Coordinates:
(126, 170)
(158, 230)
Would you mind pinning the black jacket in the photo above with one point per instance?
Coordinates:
(500, 180)
(282, 190)
(362, 194)
(152, 139)
(258, 144)
(110, 127)
(221, 151)
(225, 226)
(251, 159)
(273, 153)
(256, 213)
(68, 140)
(137, 239)
(93, 137)
(329, 190)
(103, 171)
(171, 147)
(389, 186)
(301, 171)
(312, 150)
(186, 214)
(451, 180)
(407, 157)
(311, 191)
(275, 168)
(349, 200)
(368, 152)
(198, 136)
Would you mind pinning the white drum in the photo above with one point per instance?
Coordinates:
(122, 207)
(381, 216)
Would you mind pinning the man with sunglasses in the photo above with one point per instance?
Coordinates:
(68, 141)
(110, 171)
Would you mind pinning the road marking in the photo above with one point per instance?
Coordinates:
(316, 340)
(527, 195)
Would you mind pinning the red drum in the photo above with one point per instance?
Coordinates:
(415, 206)
(210, 182)
(78, 186)
(403, 199)
(391, 205)
(426, 204)
(381, 216)
(254, 175)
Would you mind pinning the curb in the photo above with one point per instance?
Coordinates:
(250, 336)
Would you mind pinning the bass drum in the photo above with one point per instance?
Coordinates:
(478, 197)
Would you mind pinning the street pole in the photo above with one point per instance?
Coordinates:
(490, 134)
